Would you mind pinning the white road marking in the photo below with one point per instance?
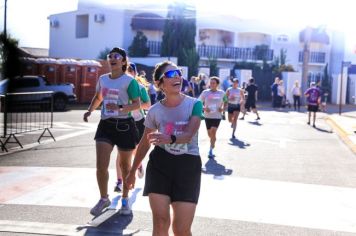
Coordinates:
(235, 198)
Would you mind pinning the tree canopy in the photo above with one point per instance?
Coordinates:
(178, 38)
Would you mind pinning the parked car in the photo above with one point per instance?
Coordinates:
(38, 89)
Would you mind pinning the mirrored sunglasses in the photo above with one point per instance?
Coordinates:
(116, 56)
(171, 74)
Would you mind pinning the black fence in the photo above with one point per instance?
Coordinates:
(23, 113)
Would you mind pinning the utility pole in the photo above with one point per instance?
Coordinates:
(306, 54)
(5, 36)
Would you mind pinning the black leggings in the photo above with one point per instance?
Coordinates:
(296, 100)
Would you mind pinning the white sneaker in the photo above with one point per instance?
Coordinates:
(140, 172)
(125, 207)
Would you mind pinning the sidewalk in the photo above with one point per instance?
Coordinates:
(345, 126)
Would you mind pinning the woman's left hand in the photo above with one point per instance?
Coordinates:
(130, 180)
(112, 107)
(157, 138)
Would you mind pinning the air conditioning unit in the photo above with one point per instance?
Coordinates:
(54, 23)
(99, 18)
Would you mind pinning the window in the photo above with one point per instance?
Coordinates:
(282, 38)
(82, 26)
(25, 83)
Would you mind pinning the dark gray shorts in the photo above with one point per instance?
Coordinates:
(120, 132)
(177, 176)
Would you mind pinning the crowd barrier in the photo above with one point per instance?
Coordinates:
(24, 113)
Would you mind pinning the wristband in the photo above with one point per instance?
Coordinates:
(173, 138)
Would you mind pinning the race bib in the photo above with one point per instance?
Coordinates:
(108, 112)
(213, 108)
(176, 148)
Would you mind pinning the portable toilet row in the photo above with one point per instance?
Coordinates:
(82, 73)
(90, 75)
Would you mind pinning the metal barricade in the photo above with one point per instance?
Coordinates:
(24, 113)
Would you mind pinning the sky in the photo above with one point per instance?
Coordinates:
(27, 19)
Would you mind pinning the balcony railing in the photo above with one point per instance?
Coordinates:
(314, 57)
(235, 53)
(222, 52)
(155, 47)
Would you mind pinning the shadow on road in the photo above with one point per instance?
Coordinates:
(111, 222)
(255, 123)
(212, 167)
(239, 143)
(323, 130)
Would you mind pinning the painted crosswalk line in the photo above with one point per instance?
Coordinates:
(234, 198)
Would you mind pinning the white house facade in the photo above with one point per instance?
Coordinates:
(92, 28)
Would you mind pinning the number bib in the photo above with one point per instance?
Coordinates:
(110, 112)
(176, 148)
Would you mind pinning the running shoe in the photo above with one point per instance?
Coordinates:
(100, 206)
(125, 207)
(211, 155)
(118, 186)
(140, 172)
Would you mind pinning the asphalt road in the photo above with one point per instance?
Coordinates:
(279, 177)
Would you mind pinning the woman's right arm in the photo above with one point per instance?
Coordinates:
(95, 102)
(141, 152)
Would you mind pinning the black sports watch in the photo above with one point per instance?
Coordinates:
(173, 138)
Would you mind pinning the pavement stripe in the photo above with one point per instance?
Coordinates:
(224, 197)
(49, 140)
(62, 229)
(37, 181)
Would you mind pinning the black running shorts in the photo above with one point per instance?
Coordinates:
(120, 132)
(313, 108)
(140, 128)
(212, 123)
(177, 176)
(250, 104)
(233, 107)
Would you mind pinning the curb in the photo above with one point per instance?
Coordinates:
(341, 133)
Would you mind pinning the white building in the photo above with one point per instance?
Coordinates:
(90, 29)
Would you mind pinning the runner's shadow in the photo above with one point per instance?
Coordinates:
(239, 143)
(255, 123)
(323, 130)
(110, 222)
(212, 167)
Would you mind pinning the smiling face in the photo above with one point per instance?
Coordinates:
(171, 79)
(213, 84)
(116, 61)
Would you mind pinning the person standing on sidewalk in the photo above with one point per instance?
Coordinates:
(215, 102)
(139, 118)
(235, 97)
(296, 92)
(173, 173)
(313, 97)
(119, 94)
(251, 98)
